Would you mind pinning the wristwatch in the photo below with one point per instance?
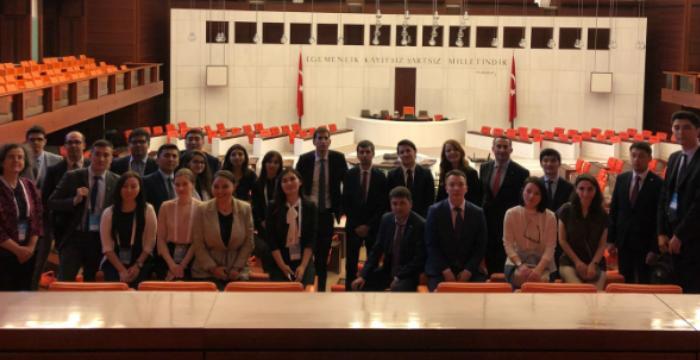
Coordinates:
(519, 264)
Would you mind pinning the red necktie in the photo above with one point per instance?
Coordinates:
(496, 185)
(635, 190)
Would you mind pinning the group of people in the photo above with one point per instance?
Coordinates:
(183, 215)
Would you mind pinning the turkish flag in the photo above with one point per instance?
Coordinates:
(300, 91)
(513, 101)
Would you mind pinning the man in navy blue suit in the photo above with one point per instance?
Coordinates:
(400, 242)
(455, 236)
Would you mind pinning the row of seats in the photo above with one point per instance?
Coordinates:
(572, 135)
(444, 287)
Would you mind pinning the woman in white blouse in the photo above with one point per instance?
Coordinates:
(128, 232)
(175, 220)
(529, 237)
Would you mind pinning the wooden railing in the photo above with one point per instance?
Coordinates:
(682, 88)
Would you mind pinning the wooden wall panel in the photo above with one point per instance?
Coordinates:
(694, 45)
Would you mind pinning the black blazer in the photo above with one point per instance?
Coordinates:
(276, 234)
(121, 165)
(56, 221)
(244, 187)
(443, 253)
(336, 173)
(684, 222)
(474, 190)
(561, 196)
(364, 213)
(62, 199)
(155, 191)
(634, 223)
(412, 248)
(259, 204)
(495, 207)
(423, 190)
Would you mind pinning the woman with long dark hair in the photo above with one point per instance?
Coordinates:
(264, 191)
(453, 157)
(128, 232)
(20, 220)
(196, 161)
(583, 233)
(236, 161)
(292, 224)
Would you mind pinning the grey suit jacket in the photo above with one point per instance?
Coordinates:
(50, 159)
(210, 251)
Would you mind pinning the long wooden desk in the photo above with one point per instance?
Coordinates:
(155, 325)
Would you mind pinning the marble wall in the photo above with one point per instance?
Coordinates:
(553, 85)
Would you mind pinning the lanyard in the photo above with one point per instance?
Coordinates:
(133, 231)
(177, 223)
(26, 197)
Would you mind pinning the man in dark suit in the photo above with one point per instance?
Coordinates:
(502, 179)
(194, 140)
(322, 172)
(160, 185)
(558, 190)
(138, 159)
(633, 213)
(455, 236)
(679, 206)
(364, 203)
(413, 176)
(85, 193)
(55, 221)
(41, 160)
(400, 243)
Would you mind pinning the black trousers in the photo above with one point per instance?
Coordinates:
(262, 252)
(686, 268)
(43, 248)
(13, 275)
(632, 265)
(277, 275)
(433, 281)
(111, 273)
(352, 254)
(381, 280)
(495, 257)
(323, 246)
(83, 249)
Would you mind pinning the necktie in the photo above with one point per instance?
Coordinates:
(322, 185)
(409, 179)
(171, 192)
(93, 193)
(496, 181)
(635, 190)
(550, 191)
(458, 221)
(137, 166)
(365, 177)
(35, 168)
(396, 249)
(681, 169)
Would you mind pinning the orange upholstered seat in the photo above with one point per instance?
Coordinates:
(270, 286)
(456, 287)
(530, 287)
(643, 289)
(177, 286)
(88, 286)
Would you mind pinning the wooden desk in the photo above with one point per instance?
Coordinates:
(569, 151)
(521, 148)
(599, 149)
(219, 145)
(430, 134)
(339, 139)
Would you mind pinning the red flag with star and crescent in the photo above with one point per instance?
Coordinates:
(300, 91)
(513, 101)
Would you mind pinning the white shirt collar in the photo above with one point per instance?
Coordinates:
(453, 206)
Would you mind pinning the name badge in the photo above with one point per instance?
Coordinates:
(179, 253)
(125, 255)
(673, 205)
(22, 231)
(295, 252)
(94, 222)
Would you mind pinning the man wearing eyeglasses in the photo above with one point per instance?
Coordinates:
(138, 159)
(40, 160)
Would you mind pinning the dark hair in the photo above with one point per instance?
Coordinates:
(510, 142)
(139, 212)
(269, 156)
(406, 142)
(226, 175)
(686, 115)
(280, 197)
(166, 147)
(596, 204)
(102, 143)
(401, 192)
(446, 165)
(139, 132)
(9, 147)
(228, 165)
(365, 144)
(202, 182)
(194, 131)
(36, 129)
(640, 145)
(321, 130)
(542, 205)
(456, 172)
(550, 152)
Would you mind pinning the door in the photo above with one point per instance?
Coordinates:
(404, 88)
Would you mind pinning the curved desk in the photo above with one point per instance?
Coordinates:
(422, 133)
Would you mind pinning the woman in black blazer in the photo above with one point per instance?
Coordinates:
(236, 161)
(264, 191)
(453, 157)
(292, 238)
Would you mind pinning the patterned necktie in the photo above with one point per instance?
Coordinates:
(409, 179)
(496, 181)
(635, 189)
(396, 249)
(171, 191)
(681, 169)
(93, 193)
